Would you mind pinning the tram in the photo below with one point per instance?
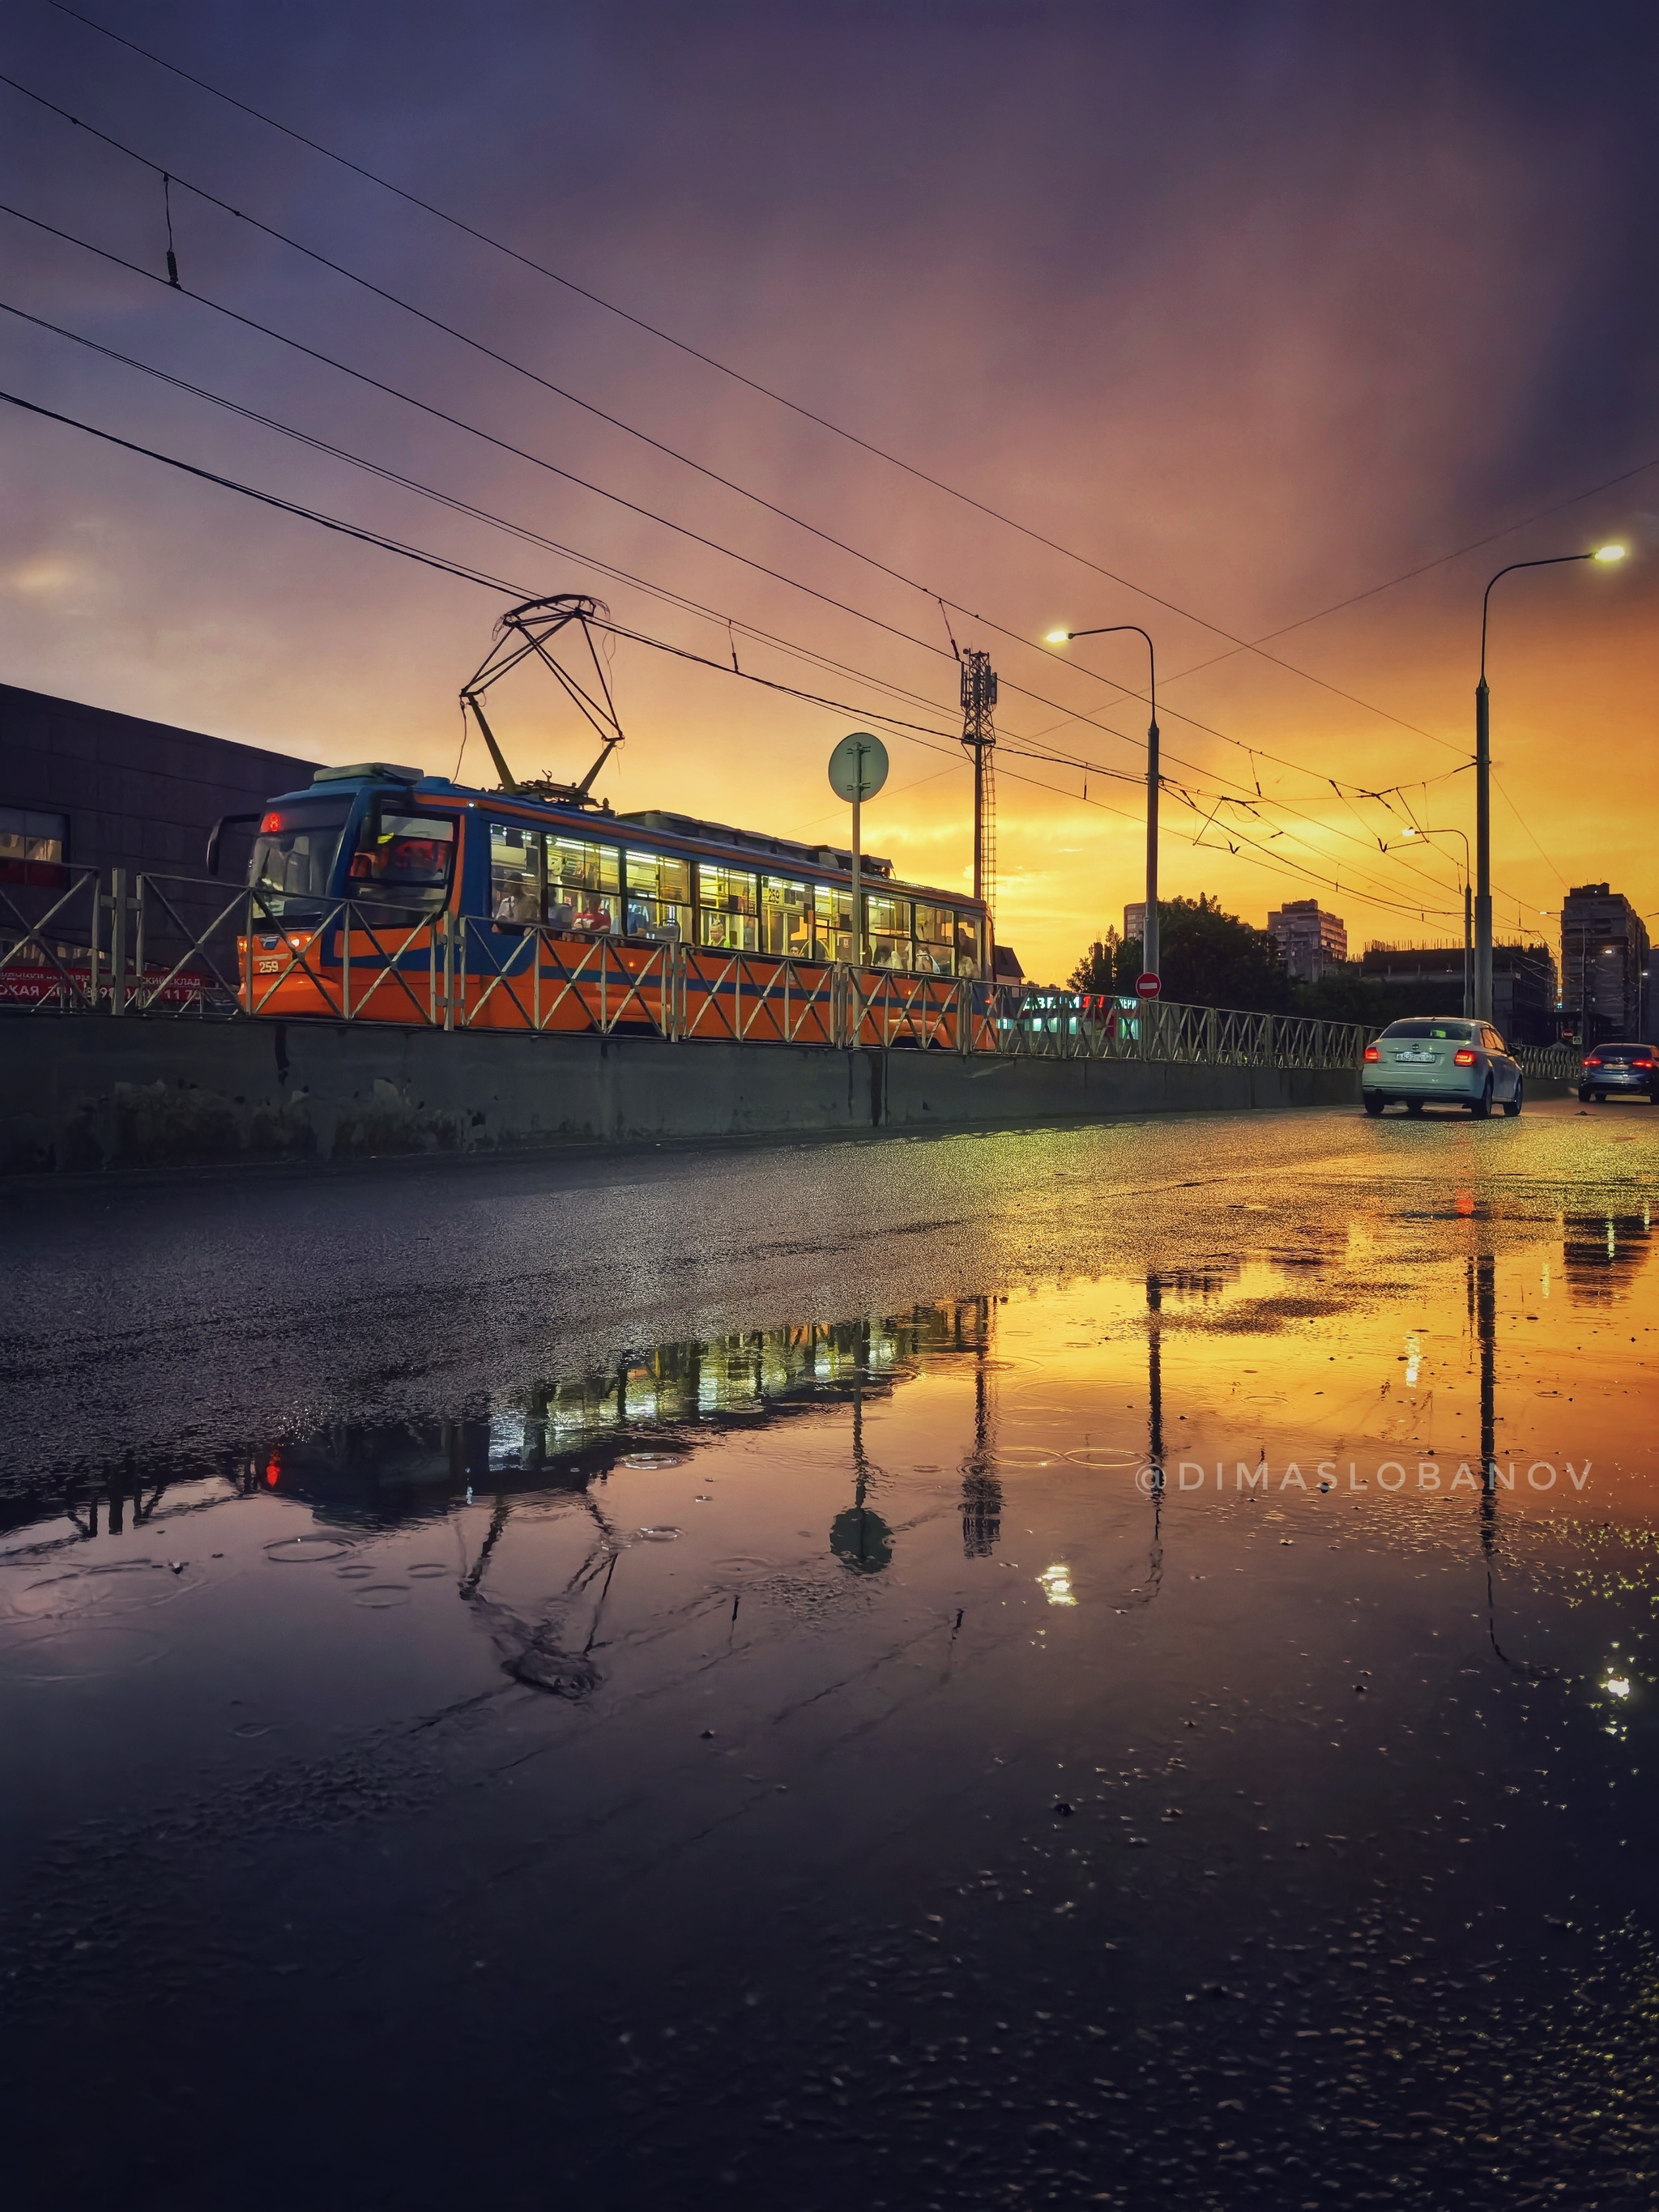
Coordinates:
(380, 893)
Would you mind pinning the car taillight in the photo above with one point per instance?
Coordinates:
(1595, 1060)
(1371, 1052)
(1642, 1063)
(1464, 1059)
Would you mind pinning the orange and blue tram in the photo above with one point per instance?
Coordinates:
(380, 893)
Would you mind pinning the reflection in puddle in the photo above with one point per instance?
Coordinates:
(1155, 1736)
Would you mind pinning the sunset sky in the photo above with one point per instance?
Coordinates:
(1249, 309)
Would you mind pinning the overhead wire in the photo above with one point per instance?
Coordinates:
(520, 530)
(825, 422)
(466, 573)
(1234, 644)
(778, 398)
(1011, 745)
(658, 444)
(323, 260)
(382, 292)
(506, 445)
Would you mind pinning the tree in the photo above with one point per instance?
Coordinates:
(1206, 958)
(1106, 969)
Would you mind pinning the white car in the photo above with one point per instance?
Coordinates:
(1435, 1059)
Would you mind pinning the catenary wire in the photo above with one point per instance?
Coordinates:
(506, 445)
(213, 199)
(466, 573)
(1011, 745)
(824, 422)
(767, 392)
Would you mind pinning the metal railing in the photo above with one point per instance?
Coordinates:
(1557, 1063)
(166, 947)
(52, 918)
(1073, 1025)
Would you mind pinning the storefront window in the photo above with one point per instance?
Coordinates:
(515, 876)
(658, 896)
(727, 915)
(32, 846)
(583, 885)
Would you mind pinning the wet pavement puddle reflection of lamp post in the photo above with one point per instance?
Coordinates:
(981, 1490)
(1482, 1281)
(859, 1538)
(1144, 1593)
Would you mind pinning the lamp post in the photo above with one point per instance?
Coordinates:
(1411, 831)
(1483, 779)
(1149, 947)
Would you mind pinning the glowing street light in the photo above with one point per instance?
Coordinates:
(1149, 945)
(1605, 554)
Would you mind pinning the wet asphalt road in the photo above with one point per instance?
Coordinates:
(1080, 1666)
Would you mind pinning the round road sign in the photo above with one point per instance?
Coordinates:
(858, 766)
(1147, 987)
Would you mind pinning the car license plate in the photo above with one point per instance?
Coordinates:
(1418, 1058)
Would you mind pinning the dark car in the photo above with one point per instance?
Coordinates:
(1621, 1071)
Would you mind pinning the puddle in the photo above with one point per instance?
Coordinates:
(1222, 1776)
(79, 1655)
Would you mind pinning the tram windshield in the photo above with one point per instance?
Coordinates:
(294, 855)
(402, 863)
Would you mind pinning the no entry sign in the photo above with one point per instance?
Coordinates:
(1147, 987)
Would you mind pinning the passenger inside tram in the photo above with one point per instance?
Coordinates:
(518, 903)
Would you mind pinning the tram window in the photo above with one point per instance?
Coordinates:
(725, 909)
(785, 918)
(967, 945)
(832, 923)
(659, 895)
(583, 887)
(935, 940)
(515, 876)
(402, 861)
(887, 926)
(294, 854)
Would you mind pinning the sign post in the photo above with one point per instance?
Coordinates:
(857, 769)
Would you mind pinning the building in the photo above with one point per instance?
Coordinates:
(1134, 922)
(1523, 984)
(1604, 965)
(83, 787)
(1310, 941)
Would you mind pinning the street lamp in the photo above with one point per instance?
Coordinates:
(1483, 779)
(1149, 947)
(1411, 831)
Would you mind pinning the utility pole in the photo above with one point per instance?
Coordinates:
(979, 736)
(1483, 779)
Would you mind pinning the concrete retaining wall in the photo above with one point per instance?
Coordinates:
(88, 1092)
